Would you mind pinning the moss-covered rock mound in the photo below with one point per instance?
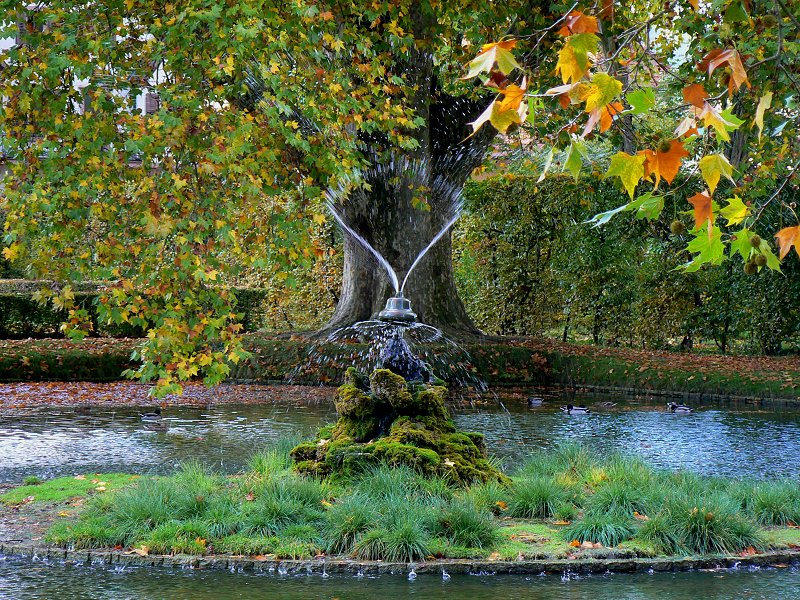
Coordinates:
(384, 419)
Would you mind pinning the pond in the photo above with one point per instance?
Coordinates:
(714, 440)
(23, 580)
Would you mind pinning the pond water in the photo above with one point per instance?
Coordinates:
(23, 580)
(733, 441)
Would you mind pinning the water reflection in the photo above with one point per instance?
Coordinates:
(714, 441)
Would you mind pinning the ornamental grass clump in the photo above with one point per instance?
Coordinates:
(464, 524)
(536, 498)
(406, 542)
(771, 503)
(607, 529)
(620, 497)
(711, 525)
(659, 532)
(346, 522)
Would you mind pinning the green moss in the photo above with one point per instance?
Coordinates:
(397, 453)
(396, 424)
(356, 378)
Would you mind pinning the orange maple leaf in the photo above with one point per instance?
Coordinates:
(732, 58)
(788, 237)
(702, 209)
(664, 164)
(695, 94)
(513, 96)
(608, 113)
(577, 22)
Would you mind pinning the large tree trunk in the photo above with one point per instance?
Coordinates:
(400, 229)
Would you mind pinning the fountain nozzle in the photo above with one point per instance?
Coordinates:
(398, 309)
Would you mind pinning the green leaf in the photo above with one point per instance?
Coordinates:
(604, 217)
(647, 206)
(740, 244)
(735, 13)
(630, 170)
(708, 247)
(574, 159)
(772, 261)
(641, 101)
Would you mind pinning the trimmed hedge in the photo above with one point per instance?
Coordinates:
(22, 317)
(530, 363)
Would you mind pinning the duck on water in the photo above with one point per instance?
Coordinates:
(678, 408)
(575, 410)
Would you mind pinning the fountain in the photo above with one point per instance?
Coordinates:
(396, 415)
(394, 338)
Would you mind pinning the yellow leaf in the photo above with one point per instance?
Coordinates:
(498, 52)
(736, 211)
(179, 182)
(763, 104)
(712, 167)
(12, 252)
(630, 170)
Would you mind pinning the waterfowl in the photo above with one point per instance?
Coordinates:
(678, 408)
(575, 410)
(607, 404)
(535, 401)
(151, 417)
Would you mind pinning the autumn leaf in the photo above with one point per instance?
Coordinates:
(574, 57)
(717, 58)
(736, 211)
(703, 212)
(577, 22)
(600, 91)
(506, 112)
(608, 113)
(712, 167)
(664, 164)
(498, 52)
(630, 170)
(722, 122)
(695, 95)
(763, 104)
(788, 237)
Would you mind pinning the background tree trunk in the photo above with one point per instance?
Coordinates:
(398, 228)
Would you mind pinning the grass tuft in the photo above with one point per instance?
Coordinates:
(606, 529)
